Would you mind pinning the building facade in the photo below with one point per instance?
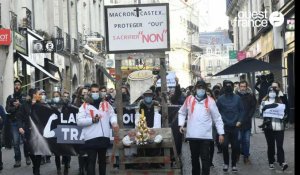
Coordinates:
(73, 25)
(264, 40)
(215, 56)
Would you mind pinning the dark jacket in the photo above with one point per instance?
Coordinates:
(23, 115)
(231, 109)
(10, 108)
(177, 98)
(148, 111)
(262, 90)
(249, 103)
(3, 116)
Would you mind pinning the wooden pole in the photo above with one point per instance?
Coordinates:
(164, 102)
(118, 101)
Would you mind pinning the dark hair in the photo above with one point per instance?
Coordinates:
(56, 92)
(244, 82)
(279, 85)
(17, 81)
(211, 93)
(236, 82)
(32, 91)
(94, 86)
(103, 87)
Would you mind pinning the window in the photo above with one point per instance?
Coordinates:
(217, 51)
(210, 63)
(208, 50)
(218, 63)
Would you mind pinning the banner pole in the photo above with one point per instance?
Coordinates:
(35, 82)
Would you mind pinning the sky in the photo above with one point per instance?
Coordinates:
(212, 15)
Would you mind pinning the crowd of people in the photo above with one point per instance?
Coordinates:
(222, 116)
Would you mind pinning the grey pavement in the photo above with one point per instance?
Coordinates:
(258, 158)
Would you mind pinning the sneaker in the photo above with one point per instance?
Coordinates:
(284, 166)
(28, 161)
(17, 164)
(234, 169)
(225, 168)
(271, 166)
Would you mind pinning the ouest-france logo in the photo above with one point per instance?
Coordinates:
(258, 19)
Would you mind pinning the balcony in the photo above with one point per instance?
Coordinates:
(74, 46)
(13, 21)
(67, 39)
(27, 22)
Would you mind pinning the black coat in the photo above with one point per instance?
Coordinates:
(249, 103)
(149, 112)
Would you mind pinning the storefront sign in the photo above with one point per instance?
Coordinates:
(5, 38)
(40, 46)
(133, 28)
(233, 54)
(241, 55)
(20, 43)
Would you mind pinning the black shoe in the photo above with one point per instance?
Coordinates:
(284, 166)
(219, 151)
(225, 168)
(212, 165)
(28, 161)
(17, 164)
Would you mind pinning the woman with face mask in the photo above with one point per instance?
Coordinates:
(273, 126)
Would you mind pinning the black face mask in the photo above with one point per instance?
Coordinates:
(228, 89)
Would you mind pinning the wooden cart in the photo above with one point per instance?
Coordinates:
(166, 145)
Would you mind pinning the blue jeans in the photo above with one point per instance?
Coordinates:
(244, 140)
(16, 140)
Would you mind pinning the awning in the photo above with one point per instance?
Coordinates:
(248, 65)
(53, 70)
(107, 74)
(31, 62)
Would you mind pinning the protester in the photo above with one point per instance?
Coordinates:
(201, 111)
(24, 127)
(249, 102)
(209, 93)
(95, 118)
(231, 109)
(283, 98)
(2, 119)
(13, 104)
(273, 128)
(58, 104)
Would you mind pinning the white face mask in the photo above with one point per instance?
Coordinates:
(56, 99)
(43, 97)
(272, 94)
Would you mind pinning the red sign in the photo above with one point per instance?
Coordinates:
(241, 55)
(5, 38)
(112, 72)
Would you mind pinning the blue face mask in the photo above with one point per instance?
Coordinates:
(200, 93)
(148, 100)
(95, 96)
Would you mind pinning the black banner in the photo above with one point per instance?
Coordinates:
(55, 131)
